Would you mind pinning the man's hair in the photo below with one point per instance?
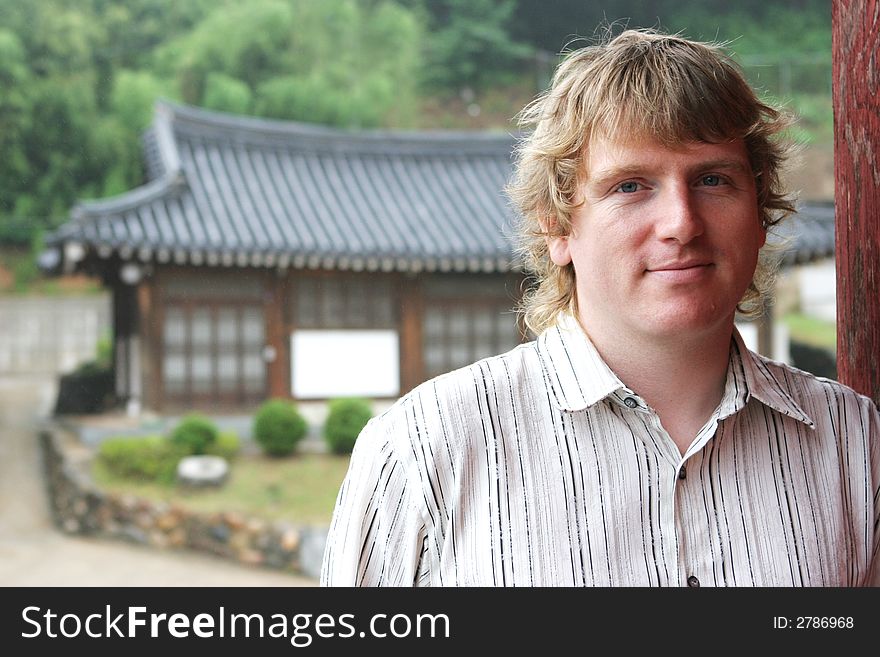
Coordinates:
(640, 84)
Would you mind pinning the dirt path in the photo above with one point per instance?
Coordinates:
(34, 553)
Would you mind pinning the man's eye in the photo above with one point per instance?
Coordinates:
(628, 187)
(712, 180)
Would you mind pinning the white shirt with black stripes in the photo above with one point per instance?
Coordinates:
(539, 467)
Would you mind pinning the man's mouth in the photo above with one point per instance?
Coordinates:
(681, 271)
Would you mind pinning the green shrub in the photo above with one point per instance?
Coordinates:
(104, 351)
(346, 418)
(278, 427)
(88, 389)
(227, 445)
(152, 458)
(195, 433)
(155, 458)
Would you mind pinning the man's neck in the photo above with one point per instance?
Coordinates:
(681, 378)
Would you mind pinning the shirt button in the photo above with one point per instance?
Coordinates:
(693, 582)
(630, 402)
(682, 472)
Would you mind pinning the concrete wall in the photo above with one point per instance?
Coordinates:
(818, 289)
(51, 335)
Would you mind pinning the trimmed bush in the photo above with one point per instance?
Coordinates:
(155, 458)
(88, 389)
(195, 434)
(278, 427)
(152, 458)
(345, 420)
(227, 445)
(815, 360)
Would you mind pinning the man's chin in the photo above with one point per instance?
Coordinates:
(685, 322)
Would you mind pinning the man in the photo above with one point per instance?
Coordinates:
(637, 441)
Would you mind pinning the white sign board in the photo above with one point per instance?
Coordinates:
(326, 364)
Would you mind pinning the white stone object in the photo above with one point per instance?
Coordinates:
(202, 470)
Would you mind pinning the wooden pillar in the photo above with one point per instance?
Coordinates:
(412, 362)
(856, 95)
(278, 364)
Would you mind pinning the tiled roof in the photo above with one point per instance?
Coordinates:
(233, 190)
(809, 235)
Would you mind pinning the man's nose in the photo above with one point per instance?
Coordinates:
(680, 218)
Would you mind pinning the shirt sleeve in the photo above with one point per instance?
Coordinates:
(377, 533)
(874, 446)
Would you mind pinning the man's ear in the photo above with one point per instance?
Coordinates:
(559, 251)
(557, 247)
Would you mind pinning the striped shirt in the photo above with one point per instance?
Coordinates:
(539, 467)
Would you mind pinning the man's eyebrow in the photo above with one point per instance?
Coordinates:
(737, 166)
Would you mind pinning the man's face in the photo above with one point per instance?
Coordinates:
(666, 240)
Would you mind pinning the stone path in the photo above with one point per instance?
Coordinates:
(34, 553)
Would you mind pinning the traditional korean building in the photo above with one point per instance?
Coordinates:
(267, 258)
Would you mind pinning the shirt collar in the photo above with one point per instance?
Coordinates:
(579, 378)
(761, 378)
(577, 375)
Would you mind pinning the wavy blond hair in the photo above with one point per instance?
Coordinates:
(640, 83)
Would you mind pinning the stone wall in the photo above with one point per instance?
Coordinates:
(79, 507)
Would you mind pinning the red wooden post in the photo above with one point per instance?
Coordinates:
(856, 92)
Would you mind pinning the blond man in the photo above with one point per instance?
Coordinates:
(636, 441)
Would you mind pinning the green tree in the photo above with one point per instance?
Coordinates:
(365, 57)
(349, 62)
(310, 98)
(118, 137)
(226, 94)
(48, 95)
(240, 41)
(14, 118)
(136, 28)
(471, 46)
(59, 149)
(134, 96)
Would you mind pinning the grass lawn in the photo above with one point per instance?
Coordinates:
(301, 489)
(812, 331)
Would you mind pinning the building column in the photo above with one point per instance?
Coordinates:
(125, 328)
(412, 358)
(276, 352)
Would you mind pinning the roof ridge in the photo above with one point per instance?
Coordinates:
(165, 140)
(191, 119)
